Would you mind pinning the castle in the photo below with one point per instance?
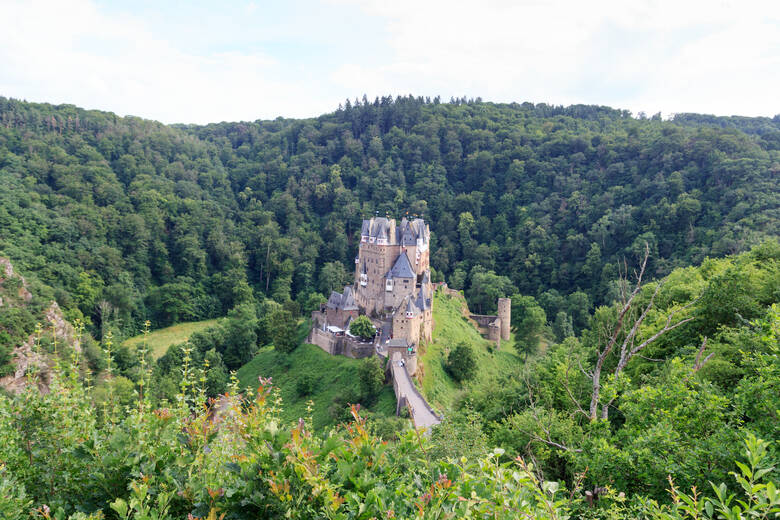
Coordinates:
(392, 286)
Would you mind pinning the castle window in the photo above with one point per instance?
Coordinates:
(389, 285)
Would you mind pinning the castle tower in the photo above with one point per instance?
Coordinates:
(505, 314)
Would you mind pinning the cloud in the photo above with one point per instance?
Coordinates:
(71, 52)
(714, 56)
(253, 60)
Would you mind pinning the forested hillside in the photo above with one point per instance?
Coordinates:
(611, 398)
(132, 220)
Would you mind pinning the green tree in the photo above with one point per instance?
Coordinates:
(305, 383)
(528, 323)
(461, 362)
(371, 378)
(284, 331)
(240, 336)
(486, 288)
(362, 328)
(562, 326)
(333, 277)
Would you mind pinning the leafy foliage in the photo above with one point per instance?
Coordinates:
(237, 458)
(679, 409)
(362, 328)
(371, 378)
(284, 334)
(130, 220)
(461, 362)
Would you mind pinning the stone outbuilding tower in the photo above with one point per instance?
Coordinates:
(505, 315)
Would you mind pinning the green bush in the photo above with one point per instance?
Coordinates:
(305, 384)
(61, 458)
(461, 362)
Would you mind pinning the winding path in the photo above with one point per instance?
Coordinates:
(407, 394)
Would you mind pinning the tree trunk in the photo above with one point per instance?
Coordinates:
(594, 396)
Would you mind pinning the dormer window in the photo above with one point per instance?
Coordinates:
(389, 285)
(381, 241)
(364, 238)
(371, 240)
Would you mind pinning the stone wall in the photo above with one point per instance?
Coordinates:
(482, 319)
(322, 339)
(494, 332)
(407, 328)
(340, 345)
(340, 317)
(489, 326)
(356, 349)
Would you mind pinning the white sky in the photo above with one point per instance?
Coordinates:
(200, 61)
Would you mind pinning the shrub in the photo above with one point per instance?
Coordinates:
(461, 362)
(305, 383)
(371, 378)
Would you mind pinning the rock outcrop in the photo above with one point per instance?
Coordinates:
(7, 272)
(24, 357)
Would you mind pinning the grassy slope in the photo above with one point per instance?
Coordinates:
(160, 340)
(334, 375)
(450, 328)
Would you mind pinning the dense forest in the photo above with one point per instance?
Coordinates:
(130, 224)
(132, 220)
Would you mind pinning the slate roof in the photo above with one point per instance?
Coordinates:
(402, 268)
(408, 236)
(381, 231)
(348, 301)
(344, 302)
(406, 233)
(380, 225)
(422, 302)
(334, 301)
(411, 308)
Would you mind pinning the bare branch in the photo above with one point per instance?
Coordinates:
(627, 354)
(650, 359)
(569, 393)
(594, 400)
(589, 375)
(548, 440)
(632, 333)
(658, 334)
(697, 363)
